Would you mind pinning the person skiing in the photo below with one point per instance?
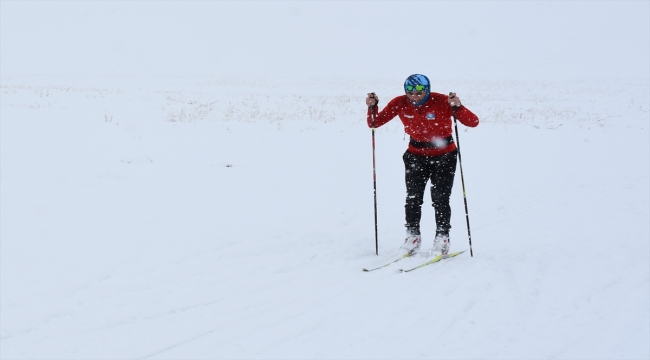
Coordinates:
(431, 153)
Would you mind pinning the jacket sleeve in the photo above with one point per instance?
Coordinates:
(382, 117)
(466, 117)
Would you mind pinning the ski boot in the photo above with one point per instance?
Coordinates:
(441, 242)
(413, 240)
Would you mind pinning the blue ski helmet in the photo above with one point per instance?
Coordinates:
(418, 79)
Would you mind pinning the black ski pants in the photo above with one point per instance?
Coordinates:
(419, 170)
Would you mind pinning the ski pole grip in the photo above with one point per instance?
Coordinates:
(452, 95)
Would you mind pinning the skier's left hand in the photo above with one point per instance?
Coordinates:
(454, 101)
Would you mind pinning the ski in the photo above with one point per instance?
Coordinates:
(433, 261)
(392, 262)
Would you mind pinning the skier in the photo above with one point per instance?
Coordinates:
(431, 154)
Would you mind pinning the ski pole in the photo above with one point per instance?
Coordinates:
(462, 178)
(374, 178)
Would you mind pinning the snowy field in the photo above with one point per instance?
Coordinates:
(177, 218)
(193, 180)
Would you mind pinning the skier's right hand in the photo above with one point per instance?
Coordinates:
(372, 100)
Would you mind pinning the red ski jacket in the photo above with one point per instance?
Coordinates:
(429, 125)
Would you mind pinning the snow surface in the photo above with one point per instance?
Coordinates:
(219, 214)
(193, 218)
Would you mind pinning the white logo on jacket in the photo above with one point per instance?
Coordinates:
(409, 116)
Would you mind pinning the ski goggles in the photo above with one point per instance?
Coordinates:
(414, 88)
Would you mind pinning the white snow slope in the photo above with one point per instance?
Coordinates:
(216, 217)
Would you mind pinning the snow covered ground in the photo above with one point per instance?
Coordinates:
(193, 180)
(222, 217)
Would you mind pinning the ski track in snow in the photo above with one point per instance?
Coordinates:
(160, 218)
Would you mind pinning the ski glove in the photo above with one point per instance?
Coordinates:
(372, 100)
(454, 101)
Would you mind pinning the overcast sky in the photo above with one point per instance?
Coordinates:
(473, 39)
